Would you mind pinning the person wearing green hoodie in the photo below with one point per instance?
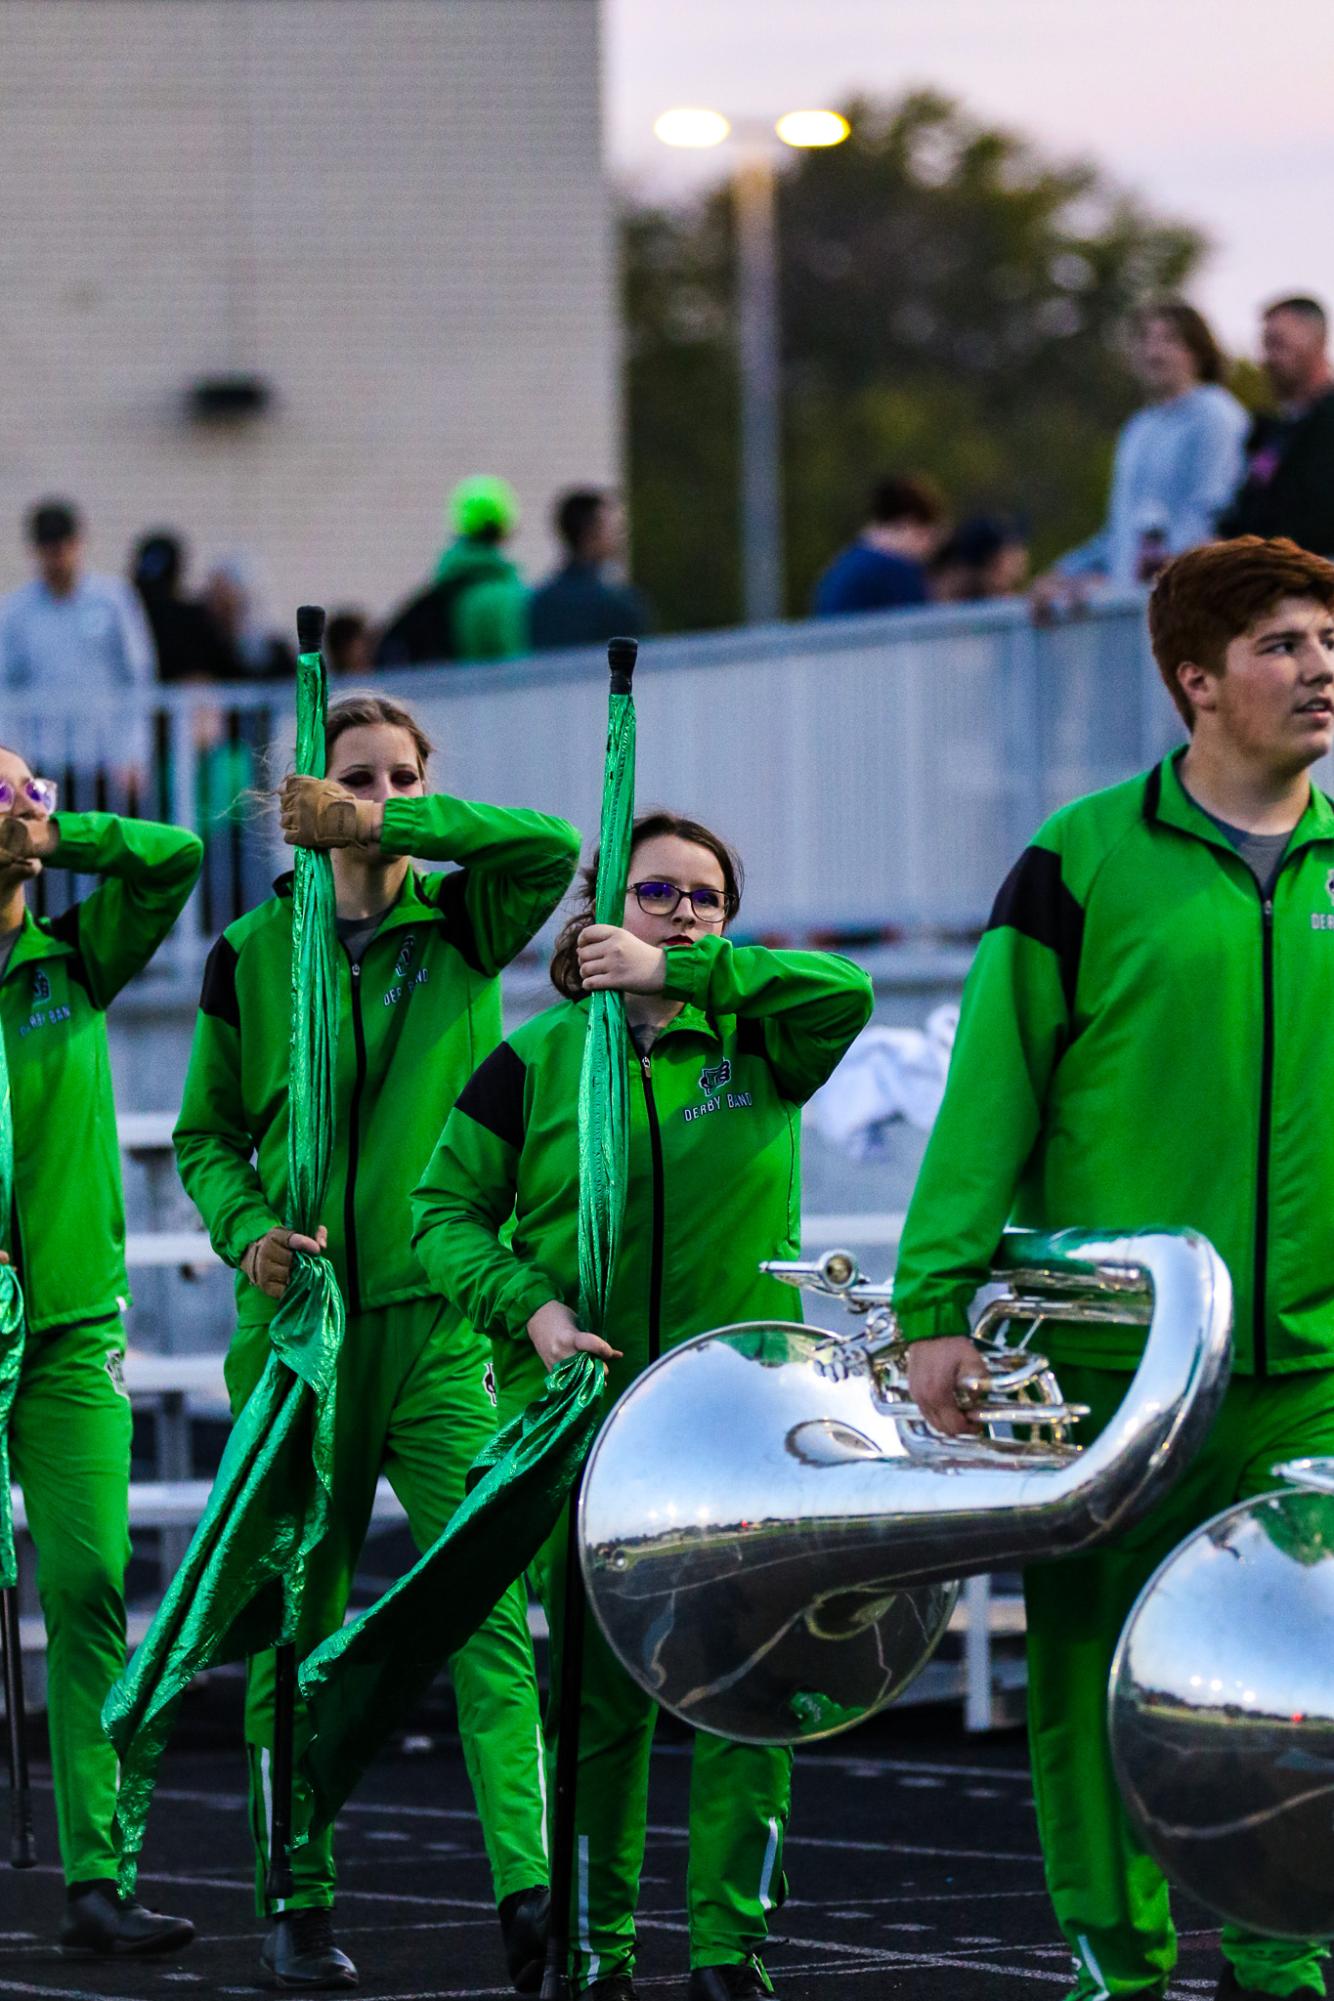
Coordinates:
(69, 1429)
(1144, 1041)
(729, 1041)
(419, 1007)
(476, 605)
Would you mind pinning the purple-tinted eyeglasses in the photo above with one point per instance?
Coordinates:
(39, 792)
(661, 899)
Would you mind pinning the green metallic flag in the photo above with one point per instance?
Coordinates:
(239, 1590)
(604, 1117)
(12, 1327)
(361, 1684)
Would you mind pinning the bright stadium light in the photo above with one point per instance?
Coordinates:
(691, 125)
(754, 180)
(812, 128)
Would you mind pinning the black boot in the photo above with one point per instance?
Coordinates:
(300, 1952)
(729, 1983)
(1229, 1988)
(99, 1924)
(524, 1917)
(616, 1987)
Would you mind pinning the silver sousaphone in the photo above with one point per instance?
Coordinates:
(772, 1536)
(1222, 1710)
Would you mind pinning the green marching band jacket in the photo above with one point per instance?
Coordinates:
(714, 1179)
(68, 1238)
(417, 1015)
(1144, 1042)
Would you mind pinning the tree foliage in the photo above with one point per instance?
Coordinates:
(952, 302)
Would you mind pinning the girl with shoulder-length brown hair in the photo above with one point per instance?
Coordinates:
(419, 965)
(726, 1043)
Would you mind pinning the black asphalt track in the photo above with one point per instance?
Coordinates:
(912, 1860)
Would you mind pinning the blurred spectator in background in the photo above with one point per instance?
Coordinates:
(347, 643)
(70, 633)
(1177, 461)
(190, 646)
(886, 565)
(232, 598)
(1288, 486)
(477, 607)
(577, 605)
(985, 557)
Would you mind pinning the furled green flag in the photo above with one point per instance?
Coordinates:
(238, 1591)
(11, 1327)
(604, 1116)
(361, 1684)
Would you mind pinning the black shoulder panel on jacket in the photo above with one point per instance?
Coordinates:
(453, 907)
(493, 1095)
(66, 928)
(1034, 899)
(217, 996)
(1153, 792)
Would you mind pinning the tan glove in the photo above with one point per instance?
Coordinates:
(320, 813)
(25, 840)
(267, 1263)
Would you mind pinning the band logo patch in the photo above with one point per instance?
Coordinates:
(41, 986)
(404, 959)
(712, 1081)
(1323, 920)
(489, 1382)
(116, 1371)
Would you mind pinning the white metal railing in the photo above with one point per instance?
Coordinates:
(876, 772)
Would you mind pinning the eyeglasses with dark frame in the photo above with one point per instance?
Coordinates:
(663, 899)
(39, 792)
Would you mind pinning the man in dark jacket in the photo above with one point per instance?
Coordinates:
(578, 605)
(1288, 488)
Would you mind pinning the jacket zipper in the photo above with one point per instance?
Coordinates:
(655, 1260)
(354, 1146)
(1260, 1275)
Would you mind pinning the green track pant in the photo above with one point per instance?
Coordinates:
(740, 1796)
(69, 1443)
(415, 1403)
(1111, 1899)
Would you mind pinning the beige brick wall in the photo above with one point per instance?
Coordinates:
(393, 210)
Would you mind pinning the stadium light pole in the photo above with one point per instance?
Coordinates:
(754, 185)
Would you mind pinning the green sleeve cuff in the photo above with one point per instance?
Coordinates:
(688, 968)
(406, 828)
(932, 1323)
(241, 1233)
(533, 1290)
(79, 838)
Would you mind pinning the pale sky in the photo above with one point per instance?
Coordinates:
(1219, 111)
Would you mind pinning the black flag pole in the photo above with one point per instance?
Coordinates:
(22, 1847)
(556, 1986)
(278, 1880)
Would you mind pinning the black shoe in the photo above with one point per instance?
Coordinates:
(616, 1987)
(300, 1952)
(729, 1983)
(524, 1917)
(98, 1924)
(1229, 1988)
